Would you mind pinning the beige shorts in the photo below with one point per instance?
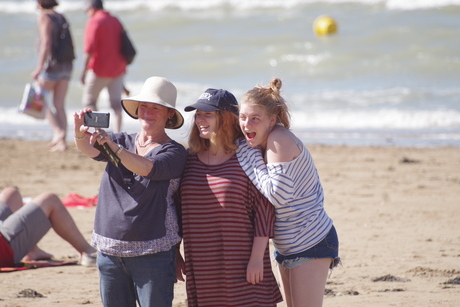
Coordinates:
(94, 85)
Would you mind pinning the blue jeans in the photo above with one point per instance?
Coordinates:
(148, 279)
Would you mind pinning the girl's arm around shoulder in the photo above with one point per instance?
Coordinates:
(282, 146)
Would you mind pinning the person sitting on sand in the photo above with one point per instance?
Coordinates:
(22, 226)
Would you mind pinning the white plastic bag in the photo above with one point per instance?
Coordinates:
(34, 101)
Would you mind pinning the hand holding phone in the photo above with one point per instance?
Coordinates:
(97, 120)
(101, 120)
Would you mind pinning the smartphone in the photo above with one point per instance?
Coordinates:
(98, 120)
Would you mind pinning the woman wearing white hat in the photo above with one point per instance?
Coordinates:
(135, 228)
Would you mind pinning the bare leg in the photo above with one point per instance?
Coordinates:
(115, 89)
(126, 91)
(306, 283)
(285, 284)
(58, 120)
(37, 254)
(62, 222)
(13, 199)
(118, 117)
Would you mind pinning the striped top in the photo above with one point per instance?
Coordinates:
(222, 212)
(295, 190)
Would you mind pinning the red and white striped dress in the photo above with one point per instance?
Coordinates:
(222, 211)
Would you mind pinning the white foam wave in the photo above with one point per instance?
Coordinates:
(29, 6)
(377, 119)
(419, 4)
(338, 118)
(341, 127)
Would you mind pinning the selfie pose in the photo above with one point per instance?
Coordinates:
(283, 170)
(226, 222)
(136, 228)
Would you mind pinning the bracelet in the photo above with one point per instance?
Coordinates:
(81, 138)
(120, 149)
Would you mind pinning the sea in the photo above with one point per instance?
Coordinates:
(389, 76)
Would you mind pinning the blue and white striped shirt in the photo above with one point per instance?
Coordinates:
(295, 190)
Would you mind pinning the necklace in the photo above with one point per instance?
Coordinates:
(147, 144)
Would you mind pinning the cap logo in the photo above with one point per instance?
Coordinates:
(206, 96)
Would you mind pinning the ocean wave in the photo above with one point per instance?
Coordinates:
(377, 119)
(382, 118)
(29, 6)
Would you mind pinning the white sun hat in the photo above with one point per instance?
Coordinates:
(157, 90)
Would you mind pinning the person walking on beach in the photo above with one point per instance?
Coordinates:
(103, 64)
(226, 221)
(136, 228)
(53, 72)
(281, 167)
(23, 226)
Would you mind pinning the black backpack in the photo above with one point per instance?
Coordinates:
(127, 48)
(62, 50)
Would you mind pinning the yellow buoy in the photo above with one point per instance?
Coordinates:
(324, 25)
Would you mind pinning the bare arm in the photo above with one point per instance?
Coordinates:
(45, 31)
(85, 141)
(255, 269)
(132, 161)
(282, 146)
(86, 58)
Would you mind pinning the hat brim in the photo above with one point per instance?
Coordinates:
(201, 106)
(131, 104)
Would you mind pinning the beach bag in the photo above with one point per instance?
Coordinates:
(127, 48)
(63, 49)
(34, 101)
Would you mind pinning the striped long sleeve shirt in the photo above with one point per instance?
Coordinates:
(295, 190)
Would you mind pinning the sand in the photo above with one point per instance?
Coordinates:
(396, 210)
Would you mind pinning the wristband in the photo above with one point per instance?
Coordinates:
(120, 149)
(81, 138)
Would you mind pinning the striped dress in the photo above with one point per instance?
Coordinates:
(295, 190)
(222, 211)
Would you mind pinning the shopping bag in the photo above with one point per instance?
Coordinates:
(33, 101)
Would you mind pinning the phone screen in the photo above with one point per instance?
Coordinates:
(98, 120)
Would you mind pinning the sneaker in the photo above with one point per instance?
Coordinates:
(88, 259)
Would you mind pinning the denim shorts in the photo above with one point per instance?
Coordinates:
(327, 248)
(56, 76)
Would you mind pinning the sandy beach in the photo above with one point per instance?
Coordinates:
(396, 211)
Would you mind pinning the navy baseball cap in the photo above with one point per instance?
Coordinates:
(214, 100)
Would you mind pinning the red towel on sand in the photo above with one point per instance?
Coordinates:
(26, 265)
(75, 200)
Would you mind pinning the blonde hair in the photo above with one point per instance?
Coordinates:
(228, 131)
(269, 98)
